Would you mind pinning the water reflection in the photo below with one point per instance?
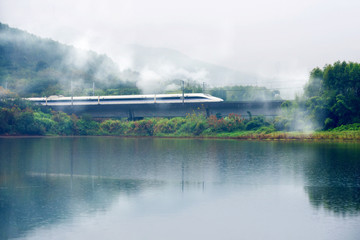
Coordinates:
(339, 200)
(333, 177)
(45, 200)
(46, 181)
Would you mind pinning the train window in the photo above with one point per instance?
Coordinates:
(126, 99)
(167, 98)
(50, 101)
(194, 97)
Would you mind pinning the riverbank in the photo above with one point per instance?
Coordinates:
(21, 119)
(244, 135)
(282, 136)
(323, 135)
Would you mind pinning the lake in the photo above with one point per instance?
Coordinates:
(156, 188)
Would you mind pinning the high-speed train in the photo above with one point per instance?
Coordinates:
(126, 99)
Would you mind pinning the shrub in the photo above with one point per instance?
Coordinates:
(187, 127)
(348, 127)
(234, 122)
(199, 128)
(164, 126)
(44, 121)
(7, 120)
(143, 127)
(266, 130)
(256, 123)
(112, 127)
(65, 125)
(228, 124)
(25, 124)
(282, 124)
(87, 127)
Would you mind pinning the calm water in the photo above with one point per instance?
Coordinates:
(126, 188)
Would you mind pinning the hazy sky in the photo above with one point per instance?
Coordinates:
(278, 38)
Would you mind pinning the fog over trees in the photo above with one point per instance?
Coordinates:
(32, 66)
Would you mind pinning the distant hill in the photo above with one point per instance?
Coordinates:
(33, 66)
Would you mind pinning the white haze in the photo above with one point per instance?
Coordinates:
(274, 43)
(166, 77)
(76, 61)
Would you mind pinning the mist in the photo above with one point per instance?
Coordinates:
(34, 65)
(262, 43)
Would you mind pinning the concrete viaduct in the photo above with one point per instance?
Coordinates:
(138, 111)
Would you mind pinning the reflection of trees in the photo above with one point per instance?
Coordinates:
(50, 179)
(44, 181)
(46, 200)
(332, 174)
(340, 200)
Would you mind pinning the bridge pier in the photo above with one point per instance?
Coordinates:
(131, 115)
(207, 112)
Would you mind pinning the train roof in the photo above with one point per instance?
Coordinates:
(144, 96)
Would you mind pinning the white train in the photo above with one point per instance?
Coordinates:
(126, 99)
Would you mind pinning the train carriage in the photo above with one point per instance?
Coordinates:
(126, 99)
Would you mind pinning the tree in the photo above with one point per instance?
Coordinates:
(7, 120)
(314, 86)
(334, 94)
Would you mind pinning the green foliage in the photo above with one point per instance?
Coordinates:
(334, 95)
(26, 120)
(315, 85)
(20, 117)
(143, 127)
(348, 127)
(64, 124)
(266, 129)
(112, 127)
(86, 126)
(194, 124)
(245, 93)
(44, 121)
(168, 126)
(230, 123)
(25, 124)
(331, 99)
(317, 110)
(256, 123)
(7, 120)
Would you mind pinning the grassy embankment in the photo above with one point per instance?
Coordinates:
(20, 118)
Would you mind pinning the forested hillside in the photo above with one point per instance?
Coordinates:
(32, 66)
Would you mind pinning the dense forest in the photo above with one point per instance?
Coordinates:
(32, 66)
